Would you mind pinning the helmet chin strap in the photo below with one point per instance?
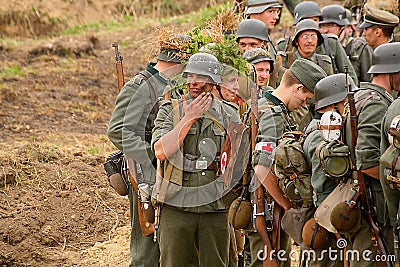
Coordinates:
(219, 92)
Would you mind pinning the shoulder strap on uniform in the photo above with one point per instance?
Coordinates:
(348, 47)
(152, 90)
(329, 52)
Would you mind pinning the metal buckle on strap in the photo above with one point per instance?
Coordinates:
(201, 164)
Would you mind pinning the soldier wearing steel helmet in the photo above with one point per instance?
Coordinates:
(360, 54)
(264, 66)
(387, 65)
(330, 45)
(195, 211)
(130, 131)
(372, 102)
(330, 95)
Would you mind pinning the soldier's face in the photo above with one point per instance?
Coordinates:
(230, 86)
(269, 16)
(262, 69)
(299, 97)
(329, 28)
(371, 35)
(247, 43)
(198, 84)
(307, 43)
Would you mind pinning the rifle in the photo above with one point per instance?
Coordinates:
(119, 67)
(359, 177)
(146, 227)
(261, 224)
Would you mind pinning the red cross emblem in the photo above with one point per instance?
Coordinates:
(266, 146)
(224, 160)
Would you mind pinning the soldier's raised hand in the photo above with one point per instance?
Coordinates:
(195, 110)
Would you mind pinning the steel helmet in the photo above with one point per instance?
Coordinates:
(334, 14)
(252, 28)
(306, 9)
(175, 55)
(259, 6)
(256, 55)
(386, 59)
(349, 17)
(332, 89)
(305, 25)
(204, 64)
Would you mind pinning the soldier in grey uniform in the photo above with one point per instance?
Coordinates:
(189, 140)
(388, 67)
(130, 131)
(267, 11)
(378, 26)
(330, 45)
(360, 54)
(306, 38)
(264, 66)
(330, 95)
(372, 102)
(252, 33)
(296, 88)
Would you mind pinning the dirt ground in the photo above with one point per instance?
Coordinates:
(56, 97)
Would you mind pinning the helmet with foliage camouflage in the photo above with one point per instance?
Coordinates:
(256, 55)
(306, 9)
(252, 28)
(332, 89)
(306, 25)
(386, 59)
(174, 49)
(334, 14)
(204, 64)
(259, 6)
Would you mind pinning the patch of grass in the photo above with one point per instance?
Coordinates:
(15, 71)
(11, 71)
(94, 150)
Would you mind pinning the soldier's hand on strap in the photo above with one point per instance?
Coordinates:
(195, 110)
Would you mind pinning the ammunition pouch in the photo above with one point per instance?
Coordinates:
(390, 160)
(335, 158)
(115, 174)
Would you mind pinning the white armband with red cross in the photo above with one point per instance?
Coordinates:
(265, 146)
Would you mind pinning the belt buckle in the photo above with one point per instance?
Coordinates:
(201, 164)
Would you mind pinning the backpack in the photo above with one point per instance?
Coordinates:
(291, 168)
(390, 159)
